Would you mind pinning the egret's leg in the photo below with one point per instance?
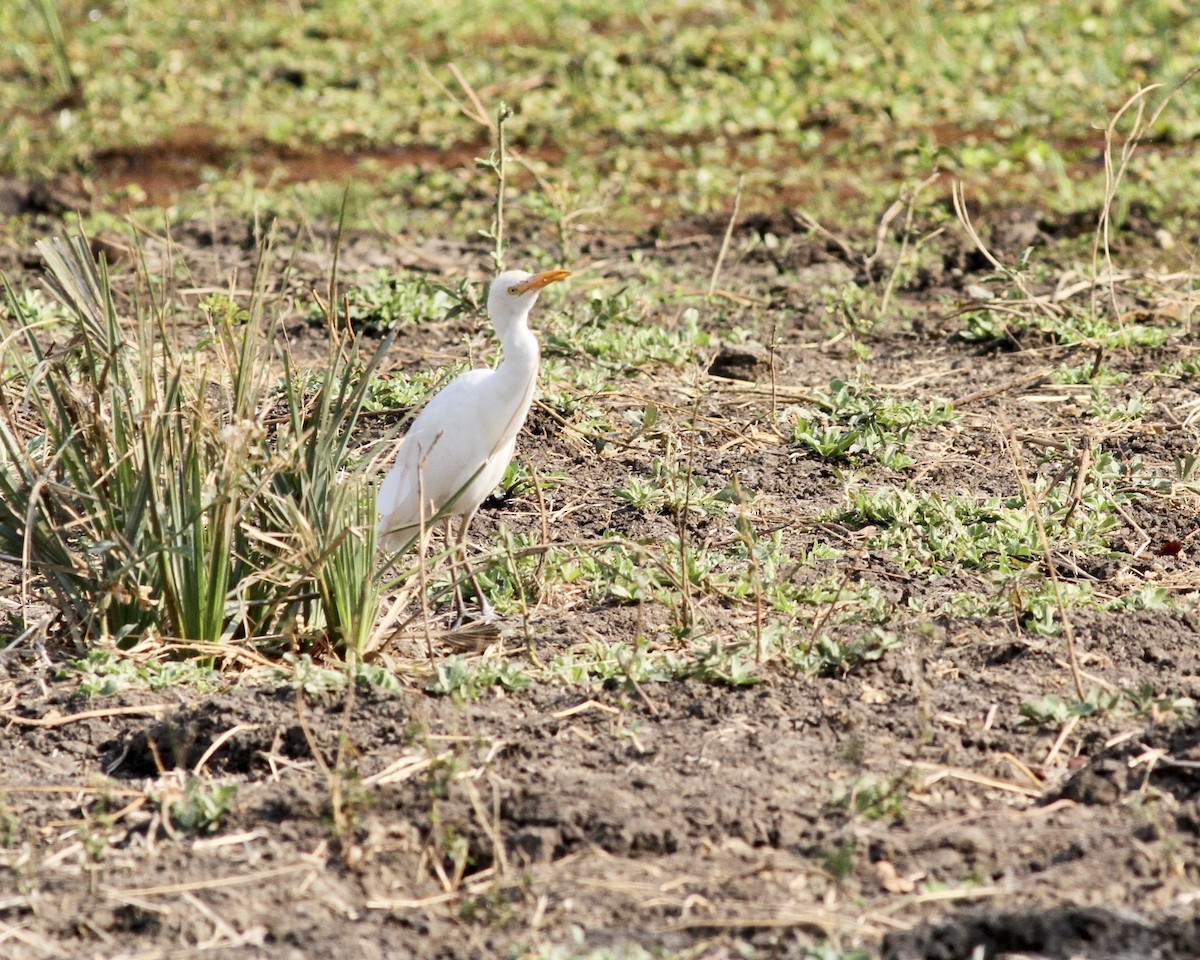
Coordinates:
(485, 608)
(460, 605)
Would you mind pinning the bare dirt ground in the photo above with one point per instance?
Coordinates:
(687, 817)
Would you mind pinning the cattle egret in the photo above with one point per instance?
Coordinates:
(458, 447)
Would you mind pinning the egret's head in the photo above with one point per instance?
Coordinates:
(514, 292)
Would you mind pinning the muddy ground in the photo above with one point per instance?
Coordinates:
(687, 817)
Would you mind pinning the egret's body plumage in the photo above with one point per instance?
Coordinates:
(458, 447)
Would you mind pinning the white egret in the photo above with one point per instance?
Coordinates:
(458, 447)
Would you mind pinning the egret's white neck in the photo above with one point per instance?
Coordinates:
(521, 350)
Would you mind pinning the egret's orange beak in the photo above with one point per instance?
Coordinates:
(539, 280)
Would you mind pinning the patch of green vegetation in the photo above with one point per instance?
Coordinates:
(872, 797)
(1102, 407)
(1096, 374)
(103, 673)
(176, 509)
(385, 300)
(670, 489)
(10, 825)
(849, 421)
(622, 332)
(467, 679)
(1188, 368)
(667, 107)
(1014, 320)
(405, 391)
(1141, 702)
(1034, 601)
(200, 807)
(839, 862)
(932, 534)
(826, 655)
(302, 673)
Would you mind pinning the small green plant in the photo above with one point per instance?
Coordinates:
(617, 335)
(10, 826)
(849, 420)
(465, 679)
(222, 312)
(717, 663)
(1052, 710)
(670, 489)
(1014, 321)
(1143, 702)
(68, 83)
(1089, 373)
(1103, 408)
(873, 797)
(104, 673)
(826, 656)
(200, 807)
(387, 300)
(839, 862)
(930, 533)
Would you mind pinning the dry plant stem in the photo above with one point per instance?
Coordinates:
(806, 220)
(886, 299)
(544, 521)
(502, 114)
(1003, 388)
(479, 114)
(1047, 557)
(774, 366)
(309, 738)
(627, 667)
(510, 557)
(1045, 304)
(46, 722)
(343, 826)
(1082, 465)
(828, 611)
(716, 273)
(422, 548)
(1114, 175)
(685, 579)
(448, 537)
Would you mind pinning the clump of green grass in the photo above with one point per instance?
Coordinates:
(199, 807)
(850, 421)
(1014, 321)
(932, 534)
(387, 299)
(101, 674)
(151, 489)
(1142, 702)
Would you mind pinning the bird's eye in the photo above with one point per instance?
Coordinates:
(514, 291)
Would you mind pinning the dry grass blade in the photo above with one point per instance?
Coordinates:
(195, 886)
(1031, 503)
(98, 714)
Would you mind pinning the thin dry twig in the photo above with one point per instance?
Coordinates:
(940, 771)
(989, 392)
(1031, 503)
(716, 272)
(1114, 174)
(218, 743)
(48, 722)
(1044, 304)
(219, 883)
